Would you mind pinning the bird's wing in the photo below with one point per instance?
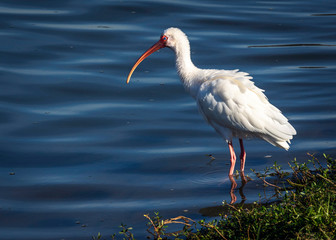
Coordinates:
(231, 100)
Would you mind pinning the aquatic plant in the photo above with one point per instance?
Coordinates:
(307, 209)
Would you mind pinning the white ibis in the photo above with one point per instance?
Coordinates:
(228, 99)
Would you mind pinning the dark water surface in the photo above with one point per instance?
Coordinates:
(81, 151)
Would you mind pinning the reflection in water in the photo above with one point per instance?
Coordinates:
(224, 209)
(233, 187)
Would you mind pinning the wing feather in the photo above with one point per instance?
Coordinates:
(232, 101)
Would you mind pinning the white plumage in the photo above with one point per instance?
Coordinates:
(228, 99)
(235, 107)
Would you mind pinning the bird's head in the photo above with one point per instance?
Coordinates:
(168, 39)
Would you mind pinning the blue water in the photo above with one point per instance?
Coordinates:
(82, 152)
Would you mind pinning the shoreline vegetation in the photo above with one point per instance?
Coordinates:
(304, 208)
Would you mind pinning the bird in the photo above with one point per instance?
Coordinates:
(228, 99)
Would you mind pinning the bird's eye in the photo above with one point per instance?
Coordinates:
(164, 38)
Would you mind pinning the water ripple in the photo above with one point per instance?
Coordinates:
(80, 147)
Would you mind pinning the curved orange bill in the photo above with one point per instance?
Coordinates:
(152, 49)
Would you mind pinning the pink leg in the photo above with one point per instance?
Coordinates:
(242, 155)
(232, 158)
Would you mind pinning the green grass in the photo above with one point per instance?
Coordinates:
(307, 210)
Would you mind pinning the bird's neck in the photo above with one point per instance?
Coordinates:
(185, 68)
